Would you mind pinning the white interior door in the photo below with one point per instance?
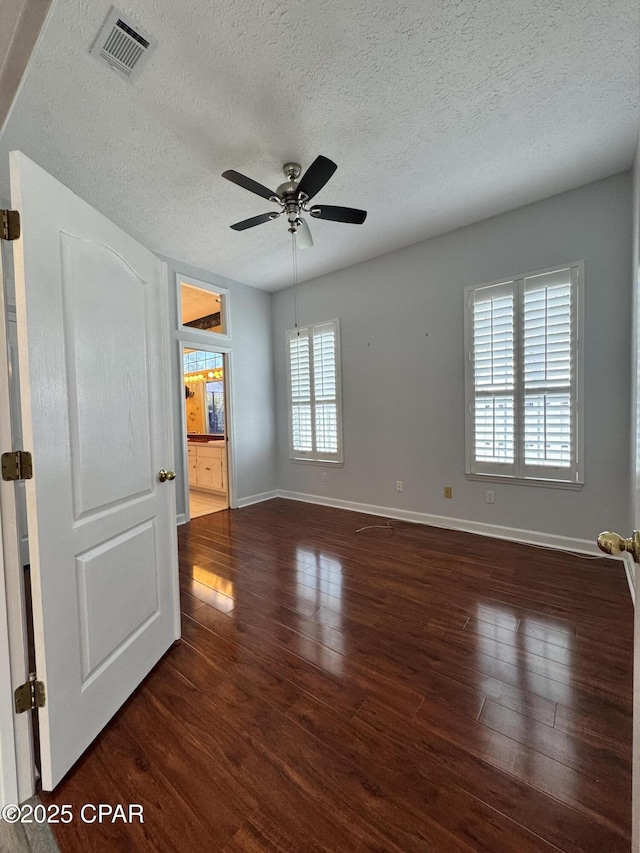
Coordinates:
(93, 351)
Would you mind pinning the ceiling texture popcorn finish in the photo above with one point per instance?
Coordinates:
(438, 114)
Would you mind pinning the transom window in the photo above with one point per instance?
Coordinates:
(202, 307)
(523, 376)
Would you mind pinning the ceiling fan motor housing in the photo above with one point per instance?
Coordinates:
(290, 196)
(288, 190)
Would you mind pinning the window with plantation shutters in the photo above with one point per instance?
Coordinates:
(523, 377)
(315, 423)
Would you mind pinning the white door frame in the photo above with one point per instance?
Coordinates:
(8, 763)
(635, 750)
(225, 351)
(633, 569)
(17, 776)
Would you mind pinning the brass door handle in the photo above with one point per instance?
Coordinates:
(163, 475)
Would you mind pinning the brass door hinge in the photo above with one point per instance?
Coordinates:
(17, 465)
(29, 695)
(10, 222)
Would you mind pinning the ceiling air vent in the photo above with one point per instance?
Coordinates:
(123, 45)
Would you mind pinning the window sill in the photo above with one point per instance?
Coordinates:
(335, 464)
(526, 481)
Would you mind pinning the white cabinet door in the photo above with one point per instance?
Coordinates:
(209, 476)
(193, 468)
(218, 480)
(93, 350)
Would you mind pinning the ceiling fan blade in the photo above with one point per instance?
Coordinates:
(304, 239)
(248, 184)
(339, 214)
(255, 220)
(316, 176)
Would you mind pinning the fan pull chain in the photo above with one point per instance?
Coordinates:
(294, 249)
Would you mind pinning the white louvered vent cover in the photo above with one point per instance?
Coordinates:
(123, 45)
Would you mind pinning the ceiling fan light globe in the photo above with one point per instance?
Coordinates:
(303, 236)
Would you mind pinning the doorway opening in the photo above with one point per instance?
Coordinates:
(206, 420)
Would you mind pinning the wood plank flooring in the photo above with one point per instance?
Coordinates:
(405, 689)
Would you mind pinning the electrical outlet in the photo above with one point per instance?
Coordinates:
(448, 492)
(324, 476)
(398, 485)
(491, 497)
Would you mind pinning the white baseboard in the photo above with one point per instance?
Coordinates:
(513, 534)
(256, 499)
(181, 518)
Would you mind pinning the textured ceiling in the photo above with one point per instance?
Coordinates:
(437, 114)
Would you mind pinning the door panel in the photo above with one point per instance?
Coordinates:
(106, 361)
(93, 352)
(115, 603)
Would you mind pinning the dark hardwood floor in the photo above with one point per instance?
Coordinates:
(391, 690)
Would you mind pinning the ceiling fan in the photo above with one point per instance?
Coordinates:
(293, 198)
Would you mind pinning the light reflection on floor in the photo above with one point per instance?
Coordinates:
(222, 588)
(526, 653)
(507, 640)
(319, 581)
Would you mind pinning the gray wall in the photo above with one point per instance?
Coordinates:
(635, 348)
(403, 365)
(252, 438)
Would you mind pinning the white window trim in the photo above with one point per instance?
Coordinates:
(314, 457)
(519, 473)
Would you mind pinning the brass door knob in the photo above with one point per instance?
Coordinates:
(613, 543)
(163, 475)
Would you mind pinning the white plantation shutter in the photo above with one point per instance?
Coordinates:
(548, 415)
(300, 388)
(523, 401)
(314, 393)
(324, 374)
(493, 377)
